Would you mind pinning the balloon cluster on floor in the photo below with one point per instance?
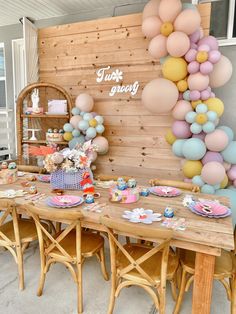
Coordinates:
(85, 125)
(191, 66)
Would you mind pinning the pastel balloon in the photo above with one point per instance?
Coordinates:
(93, 156)
(198, 180)
(87, 116)
(100, 128)
(210, 41)
(212, 156)
(75, 111)
(157, 47)
(83, 125)
(206, 67)
(151, 26)
(215, 104)
(190, 116)
(213, 173)
(84, 102)
(205, 94)
(216, 141)
(76, 133)
(91, 132)
(186, 95)
(151, 8)
(177, 148)
(214, 56)
(198, 81)
(194, 37)
(68, 127)
(67, 136)
(192, 168)
(224, 183)
(194, 95)
(228, 131)
(170, 138)
(178, 44)
(195, 128)
(191, 55)
(102, 144)
(232, 173)
(212, 116)
(160, 95)
(99, 119)
(182, 85)
(169, 9)
(174, 69)
(222, 72)
(181, 108)
(93, 123)
(181, 129)
(207, 189)
(226, 165)
(75, 120)
(193, 67)
(201, 136)
(194, 149)
(229, 154)
(208, 127)
(188, 21)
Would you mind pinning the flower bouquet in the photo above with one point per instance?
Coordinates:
(67, 167)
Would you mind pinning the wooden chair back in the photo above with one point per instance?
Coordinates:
(161, 237)
(178, 184)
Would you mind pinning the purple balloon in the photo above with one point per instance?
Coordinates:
(193, 67)
(94, 114)
(214, 56)
(204, 48)
(195, 95)
(211, 41)
(181, 129)
(201, 136)
(191, 55)
(232, 173)
(212, 156)
(206, 67)
(193, 46)
(194, 37)
(205, 94)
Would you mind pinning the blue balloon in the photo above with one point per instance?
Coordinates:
(100, 128)
(229, 154)
(91, 132)
(177, 148)
(216, 186)
(83, 125)
(190, 116)
(228, 131)
(87, 116)
(186, 95)
(196, 128)
(231, 194)
(76, 133)
(68, 127)
(82, 113)
(212, 116)
(75, 111)
(198, 181)
(201, 108)
(76, 141)
(99, 119)
(208, 127)
(163, 59)
(207, 189)
(194, 149)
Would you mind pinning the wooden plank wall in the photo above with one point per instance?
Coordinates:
(71, 54)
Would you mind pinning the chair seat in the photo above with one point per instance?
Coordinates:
(90, 244)
(152, 266)
(223, 264)
(27, 230)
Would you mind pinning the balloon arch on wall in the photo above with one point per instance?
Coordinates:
(191, 66)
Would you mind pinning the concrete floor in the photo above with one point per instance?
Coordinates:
(60, 291)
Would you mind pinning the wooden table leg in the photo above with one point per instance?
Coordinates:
(203, 281)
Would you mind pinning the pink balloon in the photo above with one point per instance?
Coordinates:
(217, 140)
(157, 47)
(204, 48)
(206, 67)
(84, 102)
(193, 67)
(74, 120)
(201, 136)
(102, 144)
(226, 165)
(198, 81)
(169, 9)
(213, 173)
(213, 95)
(222, 72)
(195, 36)
(151, 8)
(191, 55)
(205, 94)
(214, 56)
(210, 41)
(188, 21)
(232, 173)
(151, 26)
(180, 110)
(178, 44)
(212, 156)
(194, 95)
(181, 129)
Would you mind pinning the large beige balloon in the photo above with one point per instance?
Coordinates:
(222, 72)
(157, 47)
(181, 108)
(160, 95)
(84, 102)
(178, 44)
(169, 9)
(151, 26)
(151, 8)
(188, 21)
(102, 145)
(198, 81)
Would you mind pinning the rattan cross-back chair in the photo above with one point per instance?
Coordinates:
(136, 264)
(70, 246)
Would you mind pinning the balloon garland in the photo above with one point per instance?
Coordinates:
(85, 125)
(191, 66)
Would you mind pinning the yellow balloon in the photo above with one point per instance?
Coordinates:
(68, 136)
(93, 123)
(195, 103)
(224, 183)
(167, 28)
(201, 118)
(174, 69)
(170, 138)
(182, 86)
(202, 56)
(215, 104)
(192, 168)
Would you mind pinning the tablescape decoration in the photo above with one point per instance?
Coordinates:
(104, 184)
(95, 207)
(12, 193)
(44, 178)
(132, 183)
(141, 215)
(87, 184)
(178, 224)
(33, 189)
(8, 173)
(165, 191)
(71, 168)
(168, 212)
(89, 199)
(192, 66)
(144, 192)
(64, 201)
(120, 192)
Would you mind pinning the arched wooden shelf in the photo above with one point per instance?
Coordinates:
(47, 91)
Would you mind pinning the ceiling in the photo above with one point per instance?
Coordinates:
(12, 10)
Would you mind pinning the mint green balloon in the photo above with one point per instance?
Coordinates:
(190, 116)
(100, 128)
(177, 148)
(208, 127)
(194, 149)
(196, 128)
(91, 132)
(212, 116)
(229, 154)
(76, 133)
(68, 127)
(207, 189)
(198, 181)
(201, 108)
(228, 131)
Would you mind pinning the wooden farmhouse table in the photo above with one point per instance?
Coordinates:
(206, 236)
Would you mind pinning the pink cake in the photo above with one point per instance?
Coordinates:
(130, 195)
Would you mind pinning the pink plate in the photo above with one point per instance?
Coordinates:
(210, 208)
(65, 199)
(166, 191)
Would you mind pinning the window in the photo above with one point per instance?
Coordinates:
(2, 78)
